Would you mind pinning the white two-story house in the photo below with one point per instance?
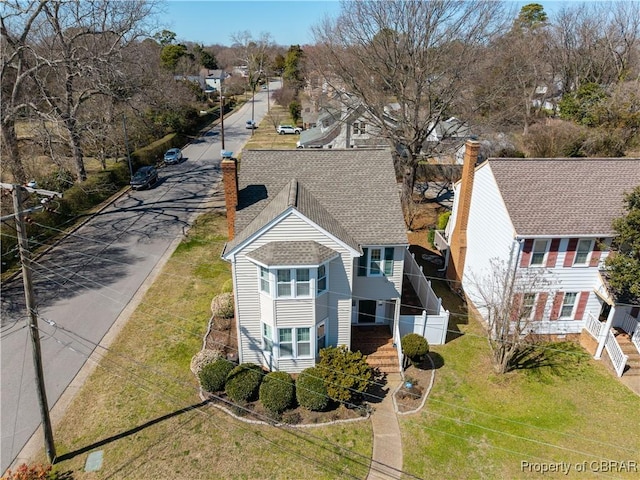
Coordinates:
(553, 215)
(317, 247)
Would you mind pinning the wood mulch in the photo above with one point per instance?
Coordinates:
(410, 399)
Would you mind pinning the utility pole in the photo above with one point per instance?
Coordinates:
(32, 320)
(126, 145)
(222, 117)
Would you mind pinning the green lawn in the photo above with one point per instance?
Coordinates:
(477, 424)
(133, 405)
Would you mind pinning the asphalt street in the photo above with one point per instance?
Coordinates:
(84, 283)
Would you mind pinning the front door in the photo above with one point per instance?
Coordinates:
(367, 311)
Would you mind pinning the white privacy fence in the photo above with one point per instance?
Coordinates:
(433, 322)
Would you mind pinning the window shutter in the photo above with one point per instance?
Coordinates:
(553, 253)
(362, 263)
(557, 305)
(571, 252)
(388, 261)
(540, 306)
(525, 260)
(515, 306)
(582, 304)
(595, 255)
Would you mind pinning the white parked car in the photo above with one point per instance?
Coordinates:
(282, 129)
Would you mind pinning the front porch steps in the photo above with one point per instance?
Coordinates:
(376, 342)
(629, 349)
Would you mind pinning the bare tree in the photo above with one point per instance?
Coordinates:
(414, 54)
(505, 297)
(17, 21)
(76, 53)
(253, 53)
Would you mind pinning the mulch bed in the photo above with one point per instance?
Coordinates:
(410, 399)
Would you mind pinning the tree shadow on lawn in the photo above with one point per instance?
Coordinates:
(126, 433)
(550, 359)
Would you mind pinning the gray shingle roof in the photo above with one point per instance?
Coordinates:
(292, 253)
(351, 193)
(565, 197)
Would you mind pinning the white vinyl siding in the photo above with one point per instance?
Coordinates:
(253, 307)
(381, 287)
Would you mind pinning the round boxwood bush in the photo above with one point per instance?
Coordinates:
(243, 382)
(415, 347)
(310, 390)
(277, 391)
(213, 376)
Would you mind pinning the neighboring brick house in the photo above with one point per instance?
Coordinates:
(317, 247)
(549, 214)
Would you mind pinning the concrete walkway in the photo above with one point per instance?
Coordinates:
(387, 443)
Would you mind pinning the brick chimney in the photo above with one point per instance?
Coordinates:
(458, 240)
(230, 181)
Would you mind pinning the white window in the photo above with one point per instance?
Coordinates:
(528, 302)
(321, 280)
(267, 338)
(582, 252)
(321, 336)
(264, 280)
(294, 342)
(285, 340)
(302, 282)
(294, 282)
(539, 251)
(375, 262)
(303, 343)
(567, 304)
(284, 283)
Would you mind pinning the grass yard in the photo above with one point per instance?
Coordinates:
(266, 137)
(141, 406)
(477, 424)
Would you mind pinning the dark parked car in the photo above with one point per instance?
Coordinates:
(145, 177)
(173, 155)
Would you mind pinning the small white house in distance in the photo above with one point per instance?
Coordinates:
(318, 248)
(555, 216)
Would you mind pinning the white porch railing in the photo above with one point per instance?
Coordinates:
(635, 338)
(593, 326)
(439, 241)
(629, 324)
(618, 358)
(397, 340)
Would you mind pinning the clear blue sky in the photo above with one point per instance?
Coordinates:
(214, 21)
(288, 22)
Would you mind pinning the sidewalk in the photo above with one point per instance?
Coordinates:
(387, 442)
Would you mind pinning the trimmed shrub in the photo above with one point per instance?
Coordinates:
(213, 376)
(415, 347)
(346, 374)
(202, 358)
(277, 391)
(243, 382)
(310, 390)
(443, 219)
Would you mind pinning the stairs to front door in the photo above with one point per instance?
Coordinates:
(376, 342)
